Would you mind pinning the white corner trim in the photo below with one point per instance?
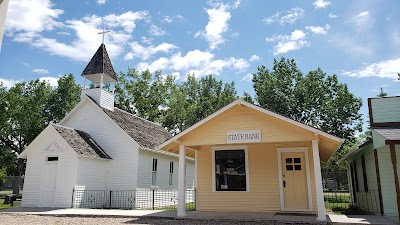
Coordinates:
(281, 197)
(230, 147)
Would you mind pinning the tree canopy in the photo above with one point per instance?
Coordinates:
(26, 109)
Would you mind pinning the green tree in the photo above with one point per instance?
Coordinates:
(314, 99)
(382, 93)
(193, 100)
(143, 94)
(64, 97)
(247, 97)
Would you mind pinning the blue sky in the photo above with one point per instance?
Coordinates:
(358, 40)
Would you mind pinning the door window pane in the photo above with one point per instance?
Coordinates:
(289, 167)
(297, 160)
(288, 160)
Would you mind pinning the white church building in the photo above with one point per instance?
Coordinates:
(99, 155)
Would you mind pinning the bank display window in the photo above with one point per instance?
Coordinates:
(230, 170)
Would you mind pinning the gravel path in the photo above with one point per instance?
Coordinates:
(15, 219)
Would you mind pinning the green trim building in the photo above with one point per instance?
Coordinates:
(372, 167)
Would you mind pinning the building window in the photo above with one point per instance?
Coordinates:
(52, 158)
(230, 170)
(171, 172)
(154, 172)
(364, 171)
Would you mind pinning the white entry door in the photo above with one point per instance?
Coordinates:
(49, 184)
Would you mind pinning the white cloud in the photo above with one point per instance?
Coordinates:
(248, 77)
(218, 18)
(235, 35)
(8, 83)
(321, 4)
(53, 81)
(236, 4)
(272, 19)
(318, 29)
(200, 63)
(101, 2)
(285, 43)
(170, 19)
(64, 33)
(254, 58)
(289, 16)
(292, 15)
(137, 50)
(40, 71)
(383, 69)
(32, 16)
(86, 40)
(156, 31)
(147, 41)
(363, 21)
(333, 16)
(126, 20)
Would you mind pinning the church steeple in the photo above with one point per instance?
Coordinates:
(101, 73)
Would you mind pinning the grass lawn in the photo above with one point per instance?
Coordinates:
(4, 206)
(337, 202)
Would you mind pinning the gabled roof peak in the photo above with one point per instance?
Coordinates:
(100, 63)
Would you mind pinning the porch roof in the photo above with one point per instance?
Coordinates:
(328, 143)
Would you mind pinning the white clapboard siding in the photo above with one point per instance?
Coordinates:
(367, 200)
(146, 166)
(386, 109)
(122, 169)
(35, 170)
(91, 173)
(387, 181)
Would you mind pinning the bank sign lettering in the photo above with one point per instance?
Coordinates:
(243, 136)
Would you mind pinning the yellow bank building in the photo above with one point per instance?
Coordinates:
(248, 159)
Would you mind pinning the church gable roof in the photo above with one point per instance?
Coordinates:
(147, 134)
(100, 63)
(81, 142)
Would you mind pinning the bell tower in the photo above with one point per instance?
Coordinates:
(100, 72)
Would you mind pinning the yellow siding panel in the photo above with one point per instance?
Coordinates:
(263, 194)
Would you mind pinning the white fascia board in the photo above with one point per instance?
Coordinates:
(164, 153)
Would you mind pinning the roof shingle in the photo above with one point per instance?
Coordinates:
(390, 133)
(81, 142)
(146, 133)
(100, 63)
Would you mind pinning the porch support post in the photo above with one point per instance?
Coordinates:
(84, 82)
(318, 182)
(101, 80)
(181, 183)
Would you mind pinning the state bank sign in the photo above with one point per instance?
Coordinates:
(243, 136)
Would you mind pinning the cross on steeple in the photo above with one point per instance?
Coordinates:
(103, 33)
